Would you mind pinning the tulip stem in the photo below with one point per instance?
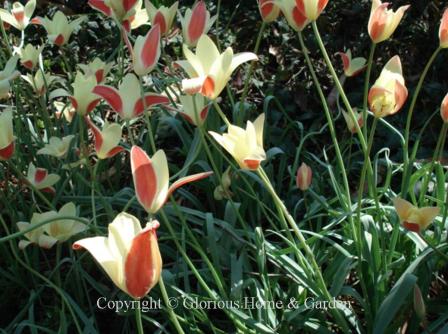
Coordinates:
(130, 134)
(221, 113)
(5, 37)
(95, 170)
(406, 162)
(171, 313)
(366, 88)
(147, 118)
(138, 320)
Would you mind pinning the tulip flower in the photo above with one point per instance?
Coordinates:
(389, 93)
(209, 70)
(245, 145)
(383, 21)
(163, 16)
(350, 124)
(295, 18)
(96, 68)
(59, 29)
(58, 230)
(6, 135)
(39, 82)
(64, 109)
(106, 141)
(29, 55)
(8, 74)
(269, 10)
(127, 100)
(311, 9)
(352, 66)
(57, 147)
(304, 177)
(195, 23)
(130, 255)
(151, 179)
(413, 218)
(129, 14)
(444, 109)
(83, 98)
(20, 15)
(194, 109)
(443, 30)
(40, 179)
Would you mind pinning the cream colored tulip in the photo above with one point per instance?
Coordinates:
(29, 55)
(311, 9)
(293, 15)
(57, 147)
(413, 218)
(8, 74)
(40, 179)
(96, 68)
(59, 29)
(163, 16)
(6, 135)
(39, 82)
(383, 21)
(83, 98)
(106, 140)
(19, 17)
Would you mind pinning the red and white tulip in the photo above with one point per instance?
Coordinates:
(106, 140)
(196, 23)
(311, 9)
(83, 98)
(194, 108)
(162, 16)
(384, 21)
(29, 56)
(304, 177)
(40, 179)
(443, 30)
(6, 135)
(96, 68)
(352, 66)
(19, 17)
(269, 10)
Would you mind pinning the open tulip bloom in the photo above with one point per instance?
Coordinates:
(83, 98)
(269, 11)
(127, 100)
(311, 9)
(39, 82)
(209, 71)
(413, 218)
(389, 93)
(29, 55)
(96, 68)
(443, 30)
(245, 145)
(40, 179)
(8, 74)
(6, 135)
(106, 141)
(57, 147)
(162, 16)
(383, 21)
(352, 66)
(130, 255)
(151, 179)
(293, 15)
(195, 23)
(20, 15)
(59, 29)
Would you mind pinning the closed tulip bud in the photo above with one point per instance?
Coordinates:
(419, 304)
(352, 66)
(196, 23)
(311, 9)
(59, 29)
(39, 82)
(83, 98)
(8, 74)
(413, 218)
(151, 179)
(106, 141)
(6, 135)
(20, 15)
(389, 93)
(443, 30)
(209, 70)
(194, 108)
(29, 56)
(130, 255)
(293, 15)
(245, 145)
(444, 109)
(40, 179)
(383, 21)
(269, 10)
(304, 177)
(96, 68)
(163, 16)
(350, 124)
(57, 147)
(127, 99)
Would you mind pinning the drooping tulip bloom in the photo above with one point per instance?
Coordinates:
(8, 74)
(106, 141)
(311, 9)
(151, 179)
(413, 218)
(129, 13)
(350, 124)
(130, 255)
(83, 98)
(57, 147)
(196, 23)
(6, 135)
(209, 71)
(269, 10)
(59, 29)
(96, 68)
(443, 30)
(39, 82)
(352, 66)
(127, 99)
(444, 109)
(304, 177)
(163, 16)
(40, 179)
(245, 145)
(58, 230)
(293, 15)
(389, 93)
(194, 108)
(29, 55)
(20, 15)
(383, 21)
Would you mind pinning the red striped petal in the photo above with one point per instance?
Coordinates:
(40, 175)
(208, 87)
(183, 181)
(204, 113)
(345, 60)
(99, 75)
(74, 102)
(115, 151)
(151, 46)
(378, 22)
(7, 152)
(150, 100)
(145, 178)
(101, 6)
(252, 163)
(401, 94)
(92, 105)
(321, 5)
(299, 17)
(196, 26)
(111, 95)
(59, 40)
(265, 9)
(412, 227)
(159, 20)
(128, 4)
(96, 134)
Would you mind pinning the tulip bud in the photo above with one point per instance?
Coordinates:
(29, 56)
(383, 21)
(352, 67)
(413, 218)
(57, 147)
(304, 177)
(6, 135)
(163, 16)
(443, 31)
(146, 51)
(444, 109)
(269, 10)
(196, 23)
(311, 9)
(419, 303)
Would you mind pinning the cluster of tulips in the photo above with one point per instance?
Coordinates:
(130, 253)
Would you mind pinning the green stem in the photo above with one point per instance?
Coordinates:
(171, 313)
(5, 38)
(95, 170)
(366, 88)
(130, 134)
(147, 118)
(138, 320)
(221, 113)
